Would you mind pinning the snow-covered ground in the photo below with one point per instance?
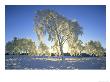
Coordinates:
(37, 62)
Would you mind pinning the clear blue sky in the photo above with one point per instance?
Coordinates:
(19, 21)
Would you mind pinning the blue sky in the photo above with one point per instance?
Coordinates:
(19, 21)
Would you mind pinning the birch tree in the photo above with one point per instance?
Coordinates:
(58, 28)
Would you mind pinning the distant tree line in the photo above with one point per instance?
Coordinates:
(21, 46)
(28, 47)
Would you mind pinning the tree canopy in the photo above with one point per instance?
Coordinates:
(18, 46)
(59, 28)
(94, 47)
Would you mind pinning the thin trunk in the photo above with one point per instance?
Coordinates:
(60, 45)
(61, 51)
